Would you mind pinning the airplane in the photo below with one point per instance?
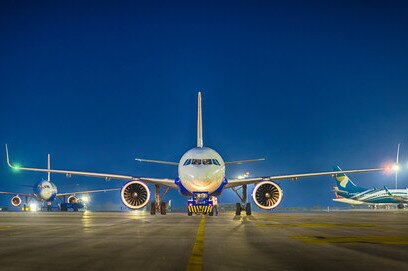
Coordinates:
(201, 174)
(347, 192)
(46, 191)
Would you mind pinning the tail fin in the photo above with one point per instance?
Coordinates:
(344, 183)
(199, 123)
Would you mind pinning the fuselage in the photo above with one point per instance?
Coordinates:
(376, 196)
(201, 169)
(45, 191)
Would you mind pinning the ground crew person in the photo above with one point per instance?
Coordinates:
(215, 204)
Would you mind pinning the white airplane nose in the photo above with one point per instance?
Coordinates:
(202, 180)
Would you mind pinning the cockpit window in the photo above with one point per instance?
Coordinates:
(196, 162)
(207, 162)
(187, 162)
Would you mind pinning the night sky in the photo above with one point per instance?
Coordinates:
(306, 86)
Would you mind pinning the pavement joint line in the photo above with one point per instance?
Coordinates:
(364, 239)
(318, 225)
(195, 262)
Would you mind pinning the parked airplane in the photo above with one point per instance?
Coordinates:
(347, 192)
(46, 192)
(201, 174)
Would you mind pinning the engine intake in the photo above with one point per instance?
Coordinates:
(16, 201)
(72, 199)
(267, 195)
(135, 195)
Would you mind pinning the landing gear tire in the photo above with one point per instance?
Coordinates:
(163, 208)
(400, 206)
(248, 209)
(64, 209)
(153, 208)
(238, 209)
(189, 213)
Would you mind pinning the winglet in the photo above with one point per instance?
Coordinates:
(8, 158)
(199, 123)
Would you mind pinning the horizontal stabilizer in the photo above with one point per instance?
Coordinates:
(244, 161)
(157, 161)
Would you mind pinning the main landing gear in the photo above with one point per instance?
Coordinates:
(158, 206)
(244, 205)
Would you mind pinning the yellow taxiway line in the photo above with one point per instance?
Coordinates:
(195, 263)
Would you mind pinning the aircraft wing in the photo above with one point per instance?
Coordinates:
(160, 181)
(238, 182)
(87, 192)
(20, 194)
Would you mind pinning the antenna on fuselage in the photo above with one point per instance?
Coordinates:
(199, 123)
(49, 167)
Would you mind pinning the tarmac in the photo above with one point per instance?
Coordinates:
(264, 241)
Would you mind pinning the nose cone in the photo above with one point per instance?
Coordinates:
(46, 193)
(202, 180)
(45, 190)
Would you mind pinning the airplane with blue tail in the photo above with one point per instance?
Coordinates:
(347, 191)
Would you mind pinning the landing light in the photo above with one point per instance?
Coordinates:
(33, 207)
(243, 176)
(395, 167)
(85, 199)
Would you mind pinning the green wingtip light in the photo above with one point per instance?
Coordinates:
(16, 167)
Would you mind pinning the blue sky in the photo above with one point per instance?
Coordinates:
(306, 86)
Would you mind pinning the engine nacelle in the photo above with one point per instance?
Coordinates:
(16, 201)
(72, 199)
(135, 195)
(267, 195)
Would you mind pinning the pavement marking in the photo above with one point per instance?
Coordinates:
(364, 239)
(317, 225)
(195, 263)
(5, 228)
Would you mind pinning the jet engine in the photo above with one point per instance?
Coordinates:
(135, 195)
(267, 195)
(16, 201)
(72, 199)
